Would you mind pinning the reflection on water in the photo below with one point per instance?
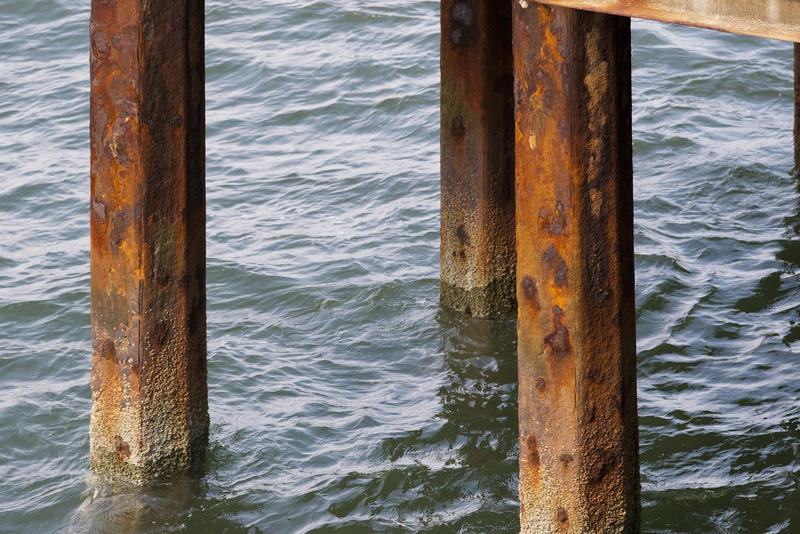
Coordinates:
(459, 472)
(777, 288)
(180, 504)
(790, 256)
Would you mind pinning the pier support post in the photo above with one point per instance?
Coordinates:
(477, 149)
(149, 412)
(797, 108)
(579, 468)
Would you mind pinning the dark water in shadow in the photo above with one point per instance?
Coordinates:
(342, 398)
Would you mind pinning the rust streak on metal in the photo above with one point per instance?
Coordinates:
(477, 148)
(149, 413)
(773, 19)
(574, 221)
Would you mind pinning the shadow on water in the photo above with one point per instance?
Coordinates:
(180, 504)
(459, 472)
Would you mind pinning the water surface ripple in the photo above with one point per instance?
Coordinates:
(343, 399)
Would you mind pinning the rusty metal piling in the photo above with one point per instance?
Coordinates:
(149, 412)
(477, 255)
(797, 108)
(579, 468)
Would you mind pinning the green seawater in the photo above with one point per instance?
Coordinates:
(342, 398)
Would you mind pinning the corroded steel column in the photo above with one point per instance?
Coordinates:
(797, 107)
(477, 150)
(149, 412)
(579, 468)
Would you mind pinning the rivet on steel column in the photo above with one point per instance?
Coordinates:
(150, 408)
(579, 462)
(477, 255)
